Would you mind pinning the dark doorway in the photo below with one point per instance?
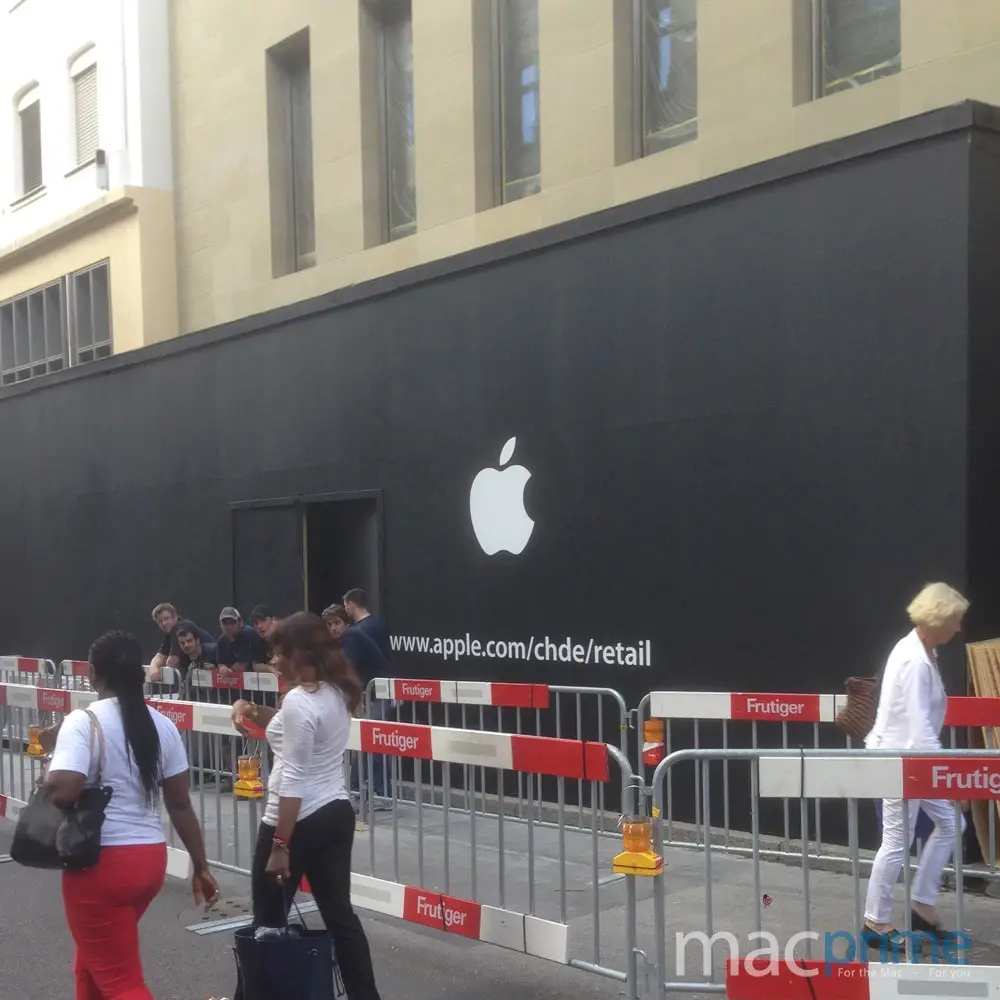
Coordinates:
(342, 550)
(267, 557)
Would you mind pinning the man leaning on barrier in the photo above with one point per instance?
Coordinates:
(170, 653)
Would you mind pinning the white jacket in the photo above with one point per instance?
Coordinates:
(912, 702)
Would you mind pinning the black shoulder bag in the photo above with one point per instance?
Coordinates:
(52, 837)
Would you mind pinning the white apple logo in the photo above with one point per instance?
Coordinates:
(496, 503)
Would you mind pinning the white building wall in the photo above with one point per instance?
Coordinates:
(39, 39)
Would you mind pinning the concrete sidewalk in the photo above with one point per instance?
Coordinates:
(563, 875)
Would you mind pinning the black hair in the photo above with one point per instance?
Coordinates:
(117, 660)
(357, 596)
(186, 628)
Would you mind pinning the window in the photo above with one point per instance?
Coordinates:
(518, 108)
(65, 322)
(29, 142)
(90, 314)
(396, 92)
(290, 154)
(32, 334)
(854, 43)
(666, 84)
(85, 109)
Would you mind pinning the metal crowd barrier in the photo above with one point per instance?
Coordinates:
(550, 710)
(770, 953)
(491, 878)
(33, 672)
(805, 720)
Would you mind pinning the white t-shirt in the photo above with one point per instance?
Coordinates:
(128, 819)
(308, 735)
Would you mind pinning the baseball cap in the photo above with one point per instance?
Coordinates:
(261, 612)
(230, 614)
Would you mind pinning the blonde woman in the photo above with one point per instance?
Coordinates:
(910, 716)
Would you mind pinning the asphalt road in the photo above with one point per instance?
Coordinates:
(411, 963)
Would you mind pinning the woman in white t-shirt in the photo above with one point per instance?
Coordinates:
(308, 824)
(143, 758)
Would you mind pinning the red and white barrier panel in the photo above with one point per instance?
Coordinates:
(745, 707)
(880, 777)
(43, 699)
(489, 924)
(10, 808)
(463, 692)
(813, 979)
(530, 754)
(40, 671)
(972, 712)
(236, 680)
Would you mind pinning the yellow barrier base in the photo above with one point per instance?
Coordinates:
(638, 863)
(249, 790)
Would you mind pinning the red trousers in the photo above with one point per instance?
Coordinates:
(103, 907)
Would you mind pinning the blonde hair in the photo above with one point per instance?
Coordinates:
(936, 604)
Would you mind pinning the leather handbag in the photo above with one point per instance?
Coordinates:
(857, 717)
(53, 837)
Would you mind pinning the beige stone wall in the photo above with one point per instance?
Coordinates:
(751, 107)
(133, 229)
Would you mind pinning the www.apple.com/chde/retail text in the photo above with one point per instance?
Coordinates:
(542, 649)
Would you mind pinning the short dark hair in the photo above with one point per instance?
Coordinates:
(187, 628)
(357, 596)
(261, 613)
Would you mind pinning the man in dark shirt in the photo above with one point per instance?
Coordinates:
(356, 605)
(264, 622)
(358, 648)
(170, 653)
(201, 655)
(239, 648)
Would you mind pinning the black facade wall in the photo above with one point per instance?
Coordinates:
(745, 418)
(984, 383)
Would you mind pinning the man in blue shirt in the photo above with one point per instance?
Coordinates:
(357, 646)
(356, 605)
(369, 662)
(239, 648)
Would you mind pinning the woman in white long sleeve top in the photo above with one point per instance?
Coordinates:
(308, 823)
(910, 716)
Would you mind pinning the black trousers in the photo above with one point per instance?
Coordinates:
(320, 849)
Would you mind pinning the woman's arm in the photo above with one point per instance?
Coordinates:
(917, 683)
(244, 710)
(300, 733)
(177, 799)
(48, 737)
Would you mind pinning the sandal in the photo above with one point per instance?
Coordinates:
(887, 942)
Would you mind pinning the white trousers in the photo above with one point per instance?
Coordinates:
(888, 862)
